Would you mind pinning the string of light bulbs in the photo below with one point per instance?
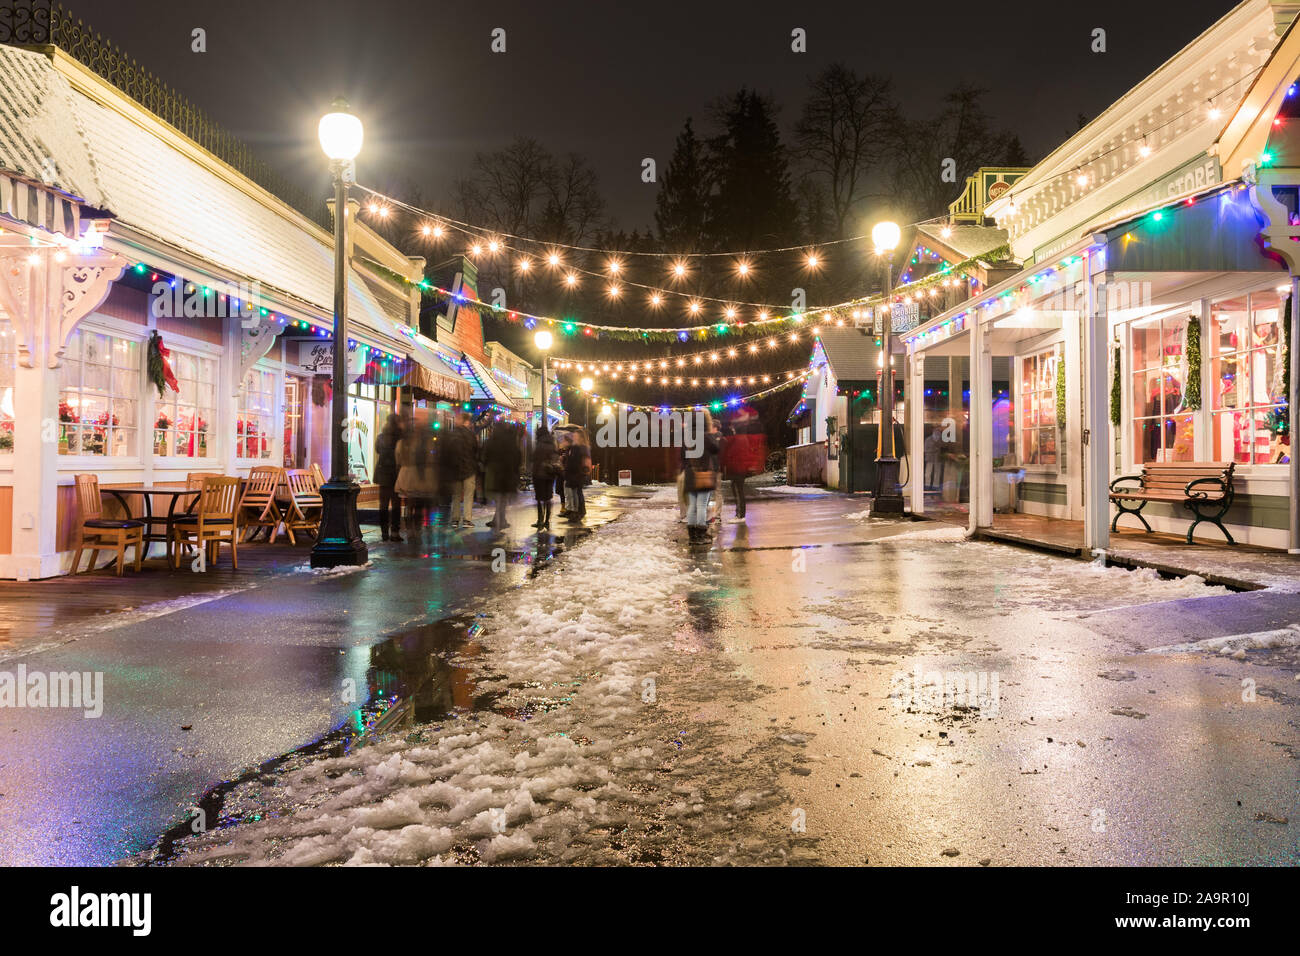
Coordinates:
(839, 313)
(715, 355)
(489, 243)
(722, 381)
(717, 404)
(473, 230)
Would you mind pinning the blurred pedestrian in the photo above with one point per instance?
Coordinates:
(502, 458)
(546, 469)
(744, 453)
(700, 475)
(417, 481)
(390, 503)
(577, 473)
(461, 467)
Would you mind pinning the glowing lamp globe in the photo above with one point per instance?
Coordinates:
(542, 340)
(587, 384)
(886, 235)
(340, 133)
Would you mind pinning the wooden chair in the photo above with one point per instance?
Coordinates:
(305, 503)
(317, 474)
(212, 523)
(104, 534)
(258, 507)
(194, 480)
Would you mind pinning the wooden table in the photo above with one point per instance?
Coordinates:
(148, 493)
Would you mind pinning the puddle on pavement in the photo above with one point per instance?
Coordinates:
(418, 676)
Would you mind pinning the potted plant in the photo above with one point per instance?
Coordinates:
(161, 427)
(67, 436)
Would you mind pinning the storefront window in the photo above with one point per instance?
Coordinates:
(1163, 430)
(1246, 376)
(295, 435)
(8, 357)
(368, 408)
(99, 395)
(183, 418)
(1038, 431)
(254, 424)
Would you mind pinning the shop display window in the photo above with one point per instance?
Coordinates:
(1163, 429)
(1248, 400)
(183, 420)
(1039, 435)
(99, 395)
(255, 421)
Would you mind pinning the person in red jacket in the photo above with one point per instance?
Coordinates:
(744, 451)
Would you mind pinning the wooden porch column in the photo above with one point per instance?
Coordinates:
(981, 426)
(1098, 444)
(46, 290)
(915, 390)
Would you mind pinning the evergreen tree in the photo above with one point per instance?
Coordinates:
(681, 207)
(753, 206)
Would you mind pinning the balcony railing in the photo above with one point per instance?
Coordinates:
(44, 23)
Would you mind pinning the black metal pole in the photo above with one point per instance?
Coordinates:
(888, 498)
(339, 540)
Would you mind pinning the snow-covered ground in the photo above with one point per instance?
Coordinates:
(575, 762)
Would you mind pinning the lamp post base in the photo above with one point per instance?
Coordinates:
(339, 542)
(889, 497)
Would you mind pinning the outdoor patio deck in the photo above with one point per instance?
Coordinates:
(1242, 565)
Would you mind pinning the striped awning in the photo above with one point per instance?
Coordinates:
(39, 206)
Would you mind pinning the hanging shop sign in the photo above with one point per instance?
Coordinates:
(317, 358)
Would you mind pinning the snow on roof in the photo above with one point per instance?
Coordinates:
(851, 353)
(57, 135)
(967, 240)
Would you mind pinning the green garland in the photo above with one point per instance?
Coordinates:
(1286, 353)
(1060, 392)
(1116, 390)
(155, 364)
(1192, 387)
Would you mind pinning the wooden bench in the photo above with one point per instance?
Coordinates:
(1193, 484)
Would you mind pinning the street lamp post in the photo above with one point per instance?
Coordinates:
(888, 495)
(587, 385)
(543, 342)
(339, 540)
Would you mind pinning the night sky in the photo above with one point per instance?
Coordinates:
(614, 81)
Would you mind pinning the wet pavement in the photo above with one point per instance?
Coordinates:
(195, 695)
(815, 687)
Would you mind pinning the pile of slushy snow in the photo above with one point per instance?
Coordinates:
(574, 762)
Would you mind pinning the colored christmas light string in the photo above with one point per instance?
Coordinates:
(681, 381)
(716, 404)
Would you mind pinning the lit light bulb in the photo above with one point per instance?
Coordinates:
(655, 299)
(553, 259)
(695, 307)
(614, 266)
(571, 279)
(812, 261)
(679, 269)
(523, 265)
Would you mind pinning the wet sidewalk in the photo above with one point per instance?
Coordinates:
(220, 677)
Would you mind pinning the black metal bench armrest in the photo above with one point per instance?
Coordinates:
(1223, 486)
(1137, 478)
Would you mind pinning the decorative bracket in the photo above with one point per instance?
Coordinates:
(1282, 234)
(47, 291)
